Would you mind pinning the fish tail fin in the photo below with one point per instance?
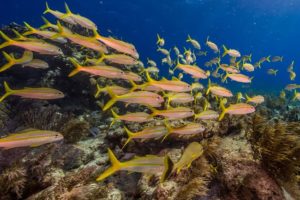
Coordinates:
(169, 130)
(30, 31)
(168, 163)
(208, 87)
(281, 59)
(149, 79)
(158, 39)
(10, 63)
(188, 38)
(247, 98)
(250, 57)
(129, 134)
(19, 36)
(47, 23)
(8, 40)
(60, 31)
(77, 67)
(102, 57)
(293, 99)
(223, 111)
(268, 58)
(116, 166)
(225, 77)
(153, 110)
(112, 101)
(48, 9)
(99, 90)
(115, 117)
(8, 91)
(68, 12)
(225, 51)
(207, 39)
(275, 72)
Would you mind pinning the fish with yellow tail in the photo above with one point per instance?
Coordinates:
(191, 153)
(239, 97)
(160, 41)
(238, 78)
(37, 46)
(236, 109)
(193, 70)
(296, 96)
(258, 99)
(48, 24)
(33, 93)
(188, 129)
(101, 70)
(44, 34)
(272, 71)
(118, 90)
(121, 59)
(59, 15)
(37, 64)
(149, 164)
(140, 97)
(118, 45)
(248, 67)
(231, 52)
(174, 85)
(131, 117)
(194, 42)
(88, 42)
(78, 19)
(155, 132)
(11, 60)
(207, 115)
(178, 98)
(292, 75)
(212, 45)
(29, 138)
(292, 86)
(277, 59)
(173, 113)
(218, 90)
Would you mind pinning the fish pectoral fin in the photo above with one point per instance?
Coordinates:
(36, 144)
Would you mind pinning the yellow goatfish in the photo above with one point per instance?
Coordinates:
(80, 20)
(118, 90)
(212, 45)
(48, 25)
(194, 42)
(58, 15)
(160, 41)
(207, 115)
(26, 57)
(121, 59)
(140, 97)
(37, 46)
(104, 71)
(248, 67)
(192, 152)
(149, 164)
(131, 76)
(238, 78)
(29, 138)
(33, 93)
(43, 33)
(148, 133)
(174, 85)
(173, 113)
(272, 71)
(236, 109)
(259, 99)
(118, 45)
(178, 98)
(231, 52)
(193, 70)
(131, 117)
(218, 90)
(88, 42)
(188, 129)
(296, 96)
(37, 64)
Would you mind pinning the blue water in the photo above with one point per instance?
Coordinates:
(260, 27)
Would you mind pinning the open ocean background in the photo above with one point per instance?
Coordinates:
(260, 27)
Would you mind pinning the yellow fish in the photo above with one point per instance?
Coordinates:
(59, 15)
(131, 117)
(32, 93)
(236, 109)
(29, 138)
(194, 42)
(149, 164)
(192, 152)
(160, 41)
(40, 47)
(26, 57)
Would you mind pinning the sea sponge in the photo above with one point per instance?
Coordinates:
(75, 129)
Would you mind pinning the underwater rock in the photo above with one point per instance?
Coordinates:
(75, 130)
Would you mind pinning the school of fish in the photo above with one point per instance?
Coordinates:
(166, 99)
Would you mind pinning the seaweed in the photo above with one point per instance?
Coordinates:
(197, 187)
(12, 181)
(277, 145)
